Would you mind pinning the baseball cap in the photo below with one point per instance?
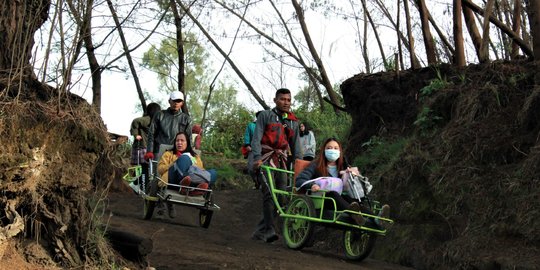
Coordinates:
(176, 95)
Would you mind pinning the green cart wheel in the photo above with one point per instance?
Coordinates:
(205, 216)
(299, 232)
(358, 244)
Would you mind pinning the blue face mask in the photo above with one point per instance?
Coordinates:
(331, 154)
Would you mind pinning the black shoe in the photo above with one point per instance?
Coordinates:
(171, 211)
(257, 236)
(271, 238)
(358, 218)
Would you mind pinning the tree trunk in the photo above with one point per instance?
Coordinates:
(533, 9)
(426, 33)
(19, 21)
(374, 27)
(476, 38)
(128, 55)
(414, 61)
(229, 60)
(180, 51)
(516, 27)
(524, 46)
(325, 80)
(398, 32)
(484, 52)
(459, 55)
(365, 53)
(312, 74)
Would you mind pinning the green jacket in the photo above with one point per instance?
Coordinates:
(139, 126)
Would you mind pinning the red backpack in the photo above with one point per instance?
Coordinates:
(278, 135)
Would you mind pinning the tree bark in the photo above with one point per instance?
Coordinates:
(229, 60)
(484, 52)
(19, 21)
(180, 51)
(426, 33)
(128, 55)
(533, 9)
(313, 77)
(398, 32)
(414, 61)
(524, 46)
(476, 38)
(325, 80)
(373, 26)
(459, 55)
(516, 27)
(400, 35)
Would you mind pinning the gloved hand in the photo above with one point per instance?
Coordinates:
(148, 155)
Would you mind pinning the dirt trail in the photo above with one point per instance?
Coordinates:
(180, 243)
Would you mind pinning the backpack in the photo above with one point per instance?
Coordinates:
(278, 134)
(198, 175)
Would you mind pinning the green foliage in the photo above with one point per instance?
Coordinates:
(516, 78)
(435, 85)
(306, 99)
(225, 130)
(379, 154)
(229, 176)
(326, 124)
(164, 61)
(426, 120)
(390, 63)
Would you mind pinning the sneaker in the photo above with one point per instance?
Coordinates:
(199, 192)
(171, 211)
(358, 218)
(186, 181)
(271, 238)
(257, 236)
(384, 213)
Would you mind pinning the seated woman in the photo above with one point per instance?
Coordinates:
(329, 163)
(174, 165)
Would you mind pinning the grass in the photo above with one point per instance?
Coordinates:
(380, 154)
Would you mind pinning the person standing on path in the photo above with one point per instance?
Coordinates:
(246, 151)
(307, 140)
(166, 124)
(275, 142)
(139, 131)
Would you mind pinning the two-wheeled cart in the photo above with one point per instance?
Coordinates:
(155, 195)
(303, 212)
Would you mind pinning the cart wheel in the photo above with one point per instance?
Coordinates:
(150, 200)
(205, 216)
(299, 232)
(358, 244)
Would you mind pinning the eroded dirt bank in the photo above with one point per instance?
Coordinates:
(464, 179)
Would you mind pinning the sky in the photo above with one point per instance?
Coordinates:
(120, 101)
(334, 39)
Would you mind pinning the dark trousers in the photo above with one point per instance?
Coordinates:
(179, 169)
(341, 203)
(265, 227)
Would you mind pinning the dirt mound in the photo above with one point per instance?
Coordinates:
(54, 159)
(464, 186)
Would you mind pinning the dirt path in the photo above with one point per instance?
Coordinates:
(180, 243)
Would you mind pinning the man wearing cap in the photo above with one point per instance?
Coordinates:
(167, 123)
